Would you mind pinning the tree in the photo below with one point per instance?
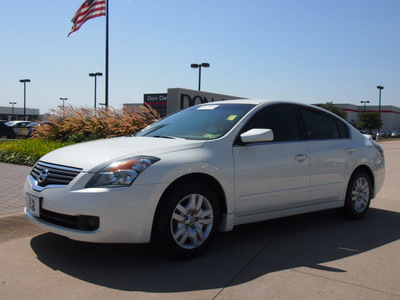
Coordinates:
(369, 121)
(333, 108)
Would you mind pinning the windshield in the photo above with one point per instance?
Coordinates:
(204, 122)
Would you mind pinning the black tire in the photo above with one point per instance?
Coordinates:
(186, 220)
(358, 196)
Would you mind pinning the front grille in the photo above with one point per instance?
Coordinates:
(50, 174)
(81, 222)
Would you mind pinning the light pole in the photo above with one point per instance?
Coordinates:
(25, 81)
(63, 100)
(380, 88)
(12, 109)
(95, 84)
(195, 66)
(365, 103)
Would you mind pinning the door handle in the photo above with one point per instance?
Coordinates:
(350, 150)
(300, 157)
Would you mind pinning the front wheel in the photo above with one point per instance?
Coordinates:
(358, 196)
(186, 220)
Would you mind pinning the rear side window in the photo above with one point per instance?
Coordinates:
(280, 118)
(322, 126)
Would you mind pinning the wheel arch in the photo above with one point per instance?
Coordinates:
(368, 170)
(209, 180)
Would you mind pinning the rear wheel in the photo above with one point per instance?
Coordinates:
(358, 195)
(186, 220)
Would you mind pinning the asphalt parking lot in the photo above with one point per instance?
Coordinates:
(312, 256)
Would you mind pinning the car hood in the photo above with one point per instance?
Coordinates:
(92, 156)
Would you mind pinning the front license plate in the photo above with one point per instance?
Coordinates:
(33, 204)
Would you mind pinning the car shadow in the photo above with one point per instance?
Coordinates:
(308, 240)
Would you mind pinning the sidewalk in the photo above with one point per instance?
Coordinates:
(11, 199)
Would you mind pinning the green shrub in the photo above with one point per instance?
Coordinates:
(26, 152)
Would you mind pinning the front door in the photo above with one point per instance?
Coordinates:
(272, 175)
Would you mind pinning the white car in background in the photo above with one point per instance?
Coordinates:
(209, 167)
(17, 124)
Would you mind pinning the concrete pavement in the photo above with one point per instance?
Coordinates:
(11, 184)
(312, 256)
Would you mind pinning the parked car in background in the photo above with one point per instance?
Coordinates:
(395, 134)
(17, 124)
(384, 134)
(6, 132)
(206, 168)
(31, 127)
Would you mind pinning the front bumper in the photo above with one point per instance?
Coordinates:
(125, 215)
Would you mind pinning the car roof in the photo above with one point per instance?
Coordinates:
(17, 121)
(257, 102)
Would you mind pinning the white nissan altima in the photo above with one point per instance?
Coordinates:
(206, 168)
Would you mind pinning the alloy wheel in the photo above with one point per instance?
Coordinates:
(360, 195)
(192, 221)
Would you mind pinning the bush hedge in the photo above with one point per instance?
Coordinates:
(26, 152)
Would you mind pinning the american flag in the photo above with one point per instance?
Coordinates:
(88, 10)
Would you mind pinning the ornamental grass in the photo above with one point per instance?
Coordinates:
(81, 124)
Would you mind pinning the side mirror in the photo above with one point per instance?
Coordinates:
(257, 135)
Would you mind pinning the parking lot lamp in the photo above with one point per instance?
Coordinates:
(12, 109)
(380, 88)
(24, 81)
(63, 100)
(95, 84)
(365, 104)
(195, 66)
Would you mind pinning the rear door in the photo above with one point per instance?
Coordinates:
(331, 154)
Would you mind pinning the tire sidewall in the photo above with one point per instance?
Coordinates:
(162, 224)
(348, 208)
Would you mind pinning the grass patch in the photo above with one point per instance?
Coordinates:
(26, 152)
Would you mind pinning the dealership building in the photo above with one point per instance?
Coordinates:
(177, 98)
(8, 113)
(390, 115)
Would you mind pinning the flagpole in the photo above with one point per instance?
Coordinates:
(106, 96)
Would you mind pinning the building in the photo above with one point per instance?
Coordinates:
(178, 98)
(390, 115)
(9, 113)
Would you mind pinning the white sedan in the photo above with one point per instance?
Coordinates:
(206, 168)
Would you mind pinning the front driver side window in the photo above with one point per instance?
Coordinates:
(280, 118)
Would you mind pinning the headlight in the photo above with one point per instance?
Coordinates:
(121, 173)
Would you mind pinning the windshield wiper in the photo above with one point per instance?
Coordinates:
(168, 137)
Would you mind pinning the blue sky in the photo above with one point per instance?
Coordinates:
(310, 51)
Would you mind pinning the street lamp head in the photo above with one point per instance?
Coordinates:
(24, 80)
(12, 103)
(194, 66)
(380, 87)
(95, 74)
(205, 65)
